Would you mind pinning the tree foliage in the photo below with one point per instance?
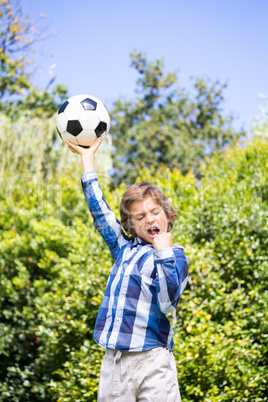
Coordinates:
(18, 35)
(260, 127)
(16, 41)
(165, 125)
(33, 147)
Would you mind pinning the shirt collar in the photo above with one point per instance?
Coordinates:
(138, 241)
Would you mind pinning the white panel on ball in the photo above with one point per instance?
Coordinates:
(69, 137)
(89, 119)
(61, 122)
(73, 111)
(85, 137)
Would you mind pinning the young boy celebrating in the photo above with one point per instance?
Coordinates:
(145, 284)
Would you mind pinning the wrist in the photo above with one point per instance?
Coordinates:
(163, 253)
(87, 163)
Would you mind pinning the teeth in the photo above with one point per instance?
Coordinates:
(150, 230)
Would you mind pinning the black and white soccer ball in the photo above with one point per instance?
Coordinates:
(82, 119)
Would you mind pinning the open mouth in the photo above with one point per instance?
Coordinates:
(153, 231)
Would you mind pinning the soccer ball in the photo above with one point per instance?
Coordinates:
(82, 119)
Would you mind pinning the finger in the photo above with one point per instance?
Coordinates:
(75, 148)
(71, 145)
(71, 149)
(94, 147)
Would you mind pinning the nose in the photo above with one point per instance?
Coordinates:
(149, 218)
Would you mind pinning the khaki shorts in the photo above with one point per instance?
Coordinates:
(139, 377)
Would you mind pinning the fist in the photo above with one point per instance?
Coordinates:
(163, 240)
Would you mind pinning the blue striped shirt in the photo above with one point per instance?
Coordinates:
(143, 287)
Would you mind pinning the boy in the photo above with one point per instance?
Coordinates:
(145, 284)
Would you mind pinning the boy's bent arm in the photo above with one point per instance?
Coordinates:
(172, 272)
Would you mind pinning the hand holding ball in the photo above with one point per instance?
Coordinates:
(82, 119)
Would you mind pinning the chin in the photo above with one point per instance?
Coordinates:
(146, 240)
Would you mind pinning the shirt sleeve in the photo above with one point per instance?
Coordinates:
(104, 219)
(172, 273)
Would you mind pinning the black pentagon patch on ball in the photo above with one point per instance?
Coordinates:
(74, 127)
(63, 107)
(102, 127)
(89, 104)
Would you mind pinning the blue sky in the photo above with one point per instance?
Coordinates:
(216, 39)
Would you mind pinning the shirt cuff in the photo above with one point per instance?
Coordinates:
(163, 253)
(89, 175)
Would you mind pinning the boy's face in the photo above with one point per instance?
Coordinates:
(148, 219)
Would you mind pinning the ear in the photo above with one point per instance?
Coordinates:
(169, 227)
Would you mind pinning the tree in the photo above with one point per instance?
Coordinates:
(260, 127)
(18, 35)
(165, 125)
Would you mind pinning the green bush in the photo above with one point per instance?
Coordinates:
(53, 270)
(221, 342)
(221, 326)
(54, 267)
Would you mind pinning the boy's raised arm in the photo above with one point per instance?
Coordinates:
(104, 218)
